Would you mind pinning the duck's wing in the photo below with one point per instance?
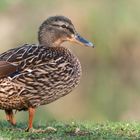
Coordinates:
(17, 55)
(19, 60)
(7, 68)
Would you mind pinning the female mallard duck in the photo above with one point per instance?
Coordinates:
(34, 75)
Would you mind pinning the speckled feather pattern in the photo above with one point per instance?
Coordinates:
(44, 75)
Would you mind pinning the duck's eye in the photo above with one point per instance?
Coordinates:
(64, 26)
(68, 28)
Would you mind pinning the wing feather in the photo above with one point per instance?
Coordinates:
(23, 58)
(7, 68)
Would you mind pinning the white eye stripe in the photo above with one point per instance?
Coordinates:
(60, 23)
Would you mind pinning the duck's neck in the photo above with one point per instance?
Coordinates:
(49, 37)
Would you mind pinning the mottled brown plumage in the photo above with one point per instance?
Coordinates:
(34, 75)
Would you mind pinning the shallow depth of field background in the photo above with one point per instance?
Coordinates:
(110, 84)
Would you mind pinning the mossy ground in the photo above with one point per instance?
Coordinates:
(73, 131)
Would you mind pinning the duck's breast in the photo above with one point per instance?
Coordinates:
(58, 77)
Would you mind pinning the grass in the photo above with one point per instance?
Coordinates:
(73, 131)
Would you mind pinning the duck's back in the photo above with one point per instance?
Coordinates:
(43, 75)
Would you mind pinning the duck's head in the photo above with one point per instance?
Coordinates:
(58, 29)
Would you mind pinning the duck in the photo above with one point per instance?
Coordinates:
(32, 75)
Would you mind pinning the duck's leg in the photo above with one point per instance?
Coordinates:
(31, 111)
(10, 117)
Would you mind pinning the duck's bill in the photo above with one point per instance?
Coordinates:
(82, 41)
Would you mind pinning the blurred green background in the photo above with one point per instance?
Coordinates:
(110, 85)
